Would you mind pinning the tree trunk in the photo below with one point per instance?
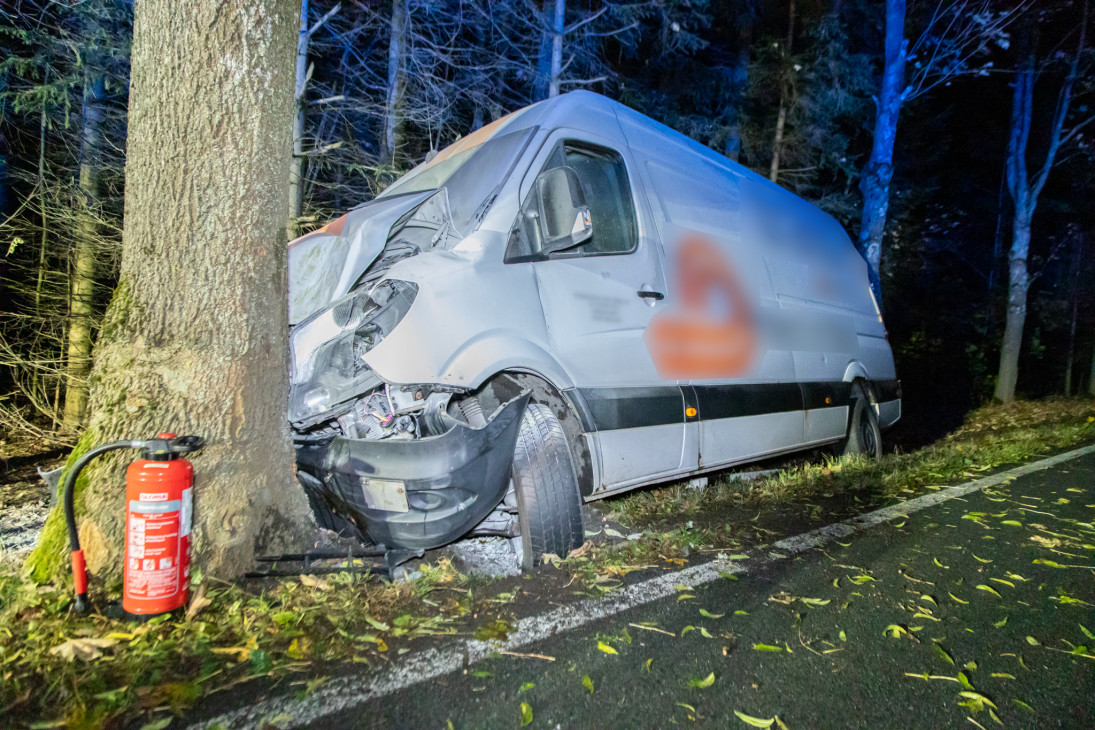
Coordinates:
(784, 95)
(1024, 189)
(739, 79)
(1074, 297)
(1091, 375)
(1016, 315)
(43, 214)
(549, 65)
(296, 167)
(196, 336)
(393, 104)
(878, 173)
(85, 257)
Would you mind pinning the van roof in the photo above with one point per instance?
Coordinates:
(570, 110)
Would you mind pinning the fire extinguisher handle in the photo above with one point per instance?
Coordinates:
(187, 444)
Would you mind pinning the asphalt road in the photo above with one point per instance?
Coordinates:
(952, 592)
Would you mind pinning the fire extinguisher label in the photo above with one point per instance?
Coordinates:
(153, 537)
(187, 513)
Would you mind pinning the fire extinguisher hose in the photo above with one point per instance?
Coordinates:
(79, 569)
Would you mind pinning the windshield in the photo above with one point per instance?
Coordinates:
(471, 170)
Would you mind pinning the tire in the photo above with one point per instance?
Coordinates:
(548, 503)
(864, 436)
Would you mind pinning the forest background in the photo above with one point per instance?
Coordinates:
(985, 105)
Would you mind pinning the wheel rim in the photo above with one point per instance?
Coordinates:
(867, 436)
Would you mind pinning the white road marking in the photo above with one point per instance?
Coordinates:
(420, 666)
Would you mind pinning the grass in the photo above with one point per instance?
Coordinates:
(991, 437)
(291, 630)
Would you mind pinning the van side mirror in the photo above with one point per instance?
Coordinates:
(564, 218)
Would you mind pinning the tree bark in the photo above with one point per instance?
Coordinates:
(1091, 375)
(739, 78)
(1018, 285)
(196, 336)
(85, 257)
(784, 95)
(878, 173)
(296, 166)
(1074, 300)
(1025, 189)
(393, 103)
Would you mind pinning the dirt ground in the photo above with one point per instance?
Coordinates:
(24, 497)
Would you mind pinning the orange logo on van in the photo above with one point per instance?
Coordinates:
(710, 332)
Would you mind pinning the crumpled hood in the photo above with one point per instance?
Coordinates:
(325, 264)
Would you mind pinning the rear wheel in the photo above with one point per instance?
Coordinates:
(548, 504)
(864, 435)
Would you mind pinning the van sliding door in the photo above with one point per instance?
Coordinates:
(742, 390)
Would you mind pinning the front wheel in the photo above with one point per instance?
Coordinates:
(864, 435)
(549, 510)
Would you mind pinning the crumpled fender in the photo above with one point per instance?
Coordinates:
(451, 481)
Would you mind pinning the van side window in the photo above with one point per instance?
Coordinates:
(603, 178)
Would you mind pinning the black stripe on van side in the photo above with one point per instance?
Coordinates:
(826, 395)
(607, 409)
(754, 399)
(613, 408)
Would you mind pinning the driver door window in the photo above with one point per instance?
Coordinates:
(603, 179)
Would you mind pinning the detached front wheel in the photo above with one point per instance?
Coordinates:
(549, 504)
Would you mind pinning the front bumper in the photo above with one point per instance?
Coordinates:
(451, 482)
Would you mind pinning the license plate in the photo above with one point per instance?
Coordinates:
(385, 494)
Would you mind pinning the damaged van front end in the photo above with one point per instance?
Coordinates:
(403, 466)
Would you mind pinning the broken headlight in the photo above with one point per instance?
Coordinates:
(328, 348)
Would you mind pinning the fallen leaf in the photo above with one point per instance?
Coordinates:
(1087, 633)
(767, 647)
(157, 724)
(1032, 641)
(581, 551)
(976, 696)
(84, 649)
(197, 603)
(314, 582)
(843, 636)
(703, 683)
(944, 654)
(527, 686)
(587, 683)
(526, 714)
(1001, 623)
(754, 721)
(956, 598)
(707, 614)
(606, 648)
(990, 589)
(895, 631)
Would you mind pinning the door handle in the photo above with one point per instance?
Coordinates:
(657, 296)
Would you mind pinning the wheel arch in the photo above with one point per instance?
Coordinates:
(506, 384)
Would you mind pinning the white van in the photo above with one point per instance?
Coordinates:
(571, 302)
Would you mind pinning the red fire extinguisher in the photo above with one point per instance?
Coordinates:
(159, 509)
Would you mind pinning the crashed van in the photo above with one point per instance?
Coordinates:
(567, 304)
